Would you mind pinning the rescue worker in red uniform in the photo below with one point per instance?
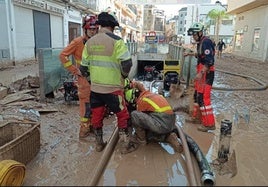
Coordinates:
(152, 116)
(75, 48)
(204, 77)
(107, 62)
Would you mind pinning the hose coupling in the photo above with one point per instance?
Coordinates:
(207, 178)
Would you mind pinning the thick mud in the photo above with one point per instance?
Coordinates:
(63, 159)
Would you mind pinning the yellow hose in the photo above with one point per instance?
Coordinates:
(12, 173)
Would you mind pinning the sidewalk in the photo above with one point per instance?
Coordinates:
(10, 74)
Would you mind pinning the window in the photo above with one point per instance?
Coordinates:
(239, 35)
(256, 40)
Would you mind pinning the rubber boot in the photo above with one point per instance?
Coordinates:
(126, 146)
(100, 144)
(196, 115)
(172, 139)
(85, 129)
(140, 135)
(205, 128)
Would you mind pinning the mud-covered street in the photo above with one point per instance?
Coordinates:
(64, 159)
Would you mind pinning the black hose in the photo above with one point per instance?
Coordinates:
(263, 85)
(207, 176)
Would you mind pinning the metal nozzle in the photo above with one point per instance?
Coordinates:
(207, 178)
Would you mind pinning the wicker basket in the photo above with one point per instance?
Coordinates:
(19, 141)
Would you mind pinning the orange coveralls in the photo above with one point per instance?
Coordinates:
(75, 48)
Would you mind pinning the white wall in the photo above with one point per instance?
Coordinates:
(4, 29)
(256, 18)
(56, 31)
(24, 33)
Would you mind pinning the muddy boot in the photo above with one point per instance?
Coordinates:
(205, 128)
(127, 145)
(140, 135)
(100, 144)
(172, 139)
(85, 129)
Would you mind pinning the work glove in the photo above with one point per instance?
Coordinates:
(139, 86)
(74, 70)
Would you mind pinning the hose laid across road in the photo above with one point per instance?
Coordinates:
(12, 173)
(262, 87)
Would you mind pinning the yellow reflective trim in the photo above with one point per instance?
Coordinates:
(83, 119)
(163, 109)
(156, 107)
(67, 64)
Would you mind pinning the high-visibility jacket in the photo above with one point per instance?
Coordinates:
(75, 48)
(152, 102)
(109, 61)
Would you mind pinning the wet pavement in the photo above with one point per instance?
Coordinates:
(65, 160)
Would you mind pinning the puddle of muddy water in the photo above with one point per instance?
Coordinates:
(152, 164)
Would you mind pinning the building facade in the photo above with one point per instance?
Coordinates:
(27, 25)
(251, 28)
(199, 13)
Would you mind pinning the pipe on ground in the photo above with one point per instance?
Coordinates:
(188, 160)
(207, 176)
(104, 158)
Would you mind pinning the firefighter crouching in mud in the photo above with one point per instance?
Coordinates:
(152, 116)
(75, 48)
(204, 79)
(107, 62)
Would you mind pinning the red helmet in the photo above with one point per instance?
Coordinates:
(89, 21)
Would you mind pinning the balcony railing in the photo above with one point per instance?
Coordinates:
(128, 22)
(92, 4)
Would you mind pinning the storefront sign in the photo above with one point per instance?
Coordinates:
(151, 39)
(40, 4)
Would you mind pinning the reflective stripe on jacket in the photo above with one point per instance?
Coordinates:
(151, 102)
(103, 54)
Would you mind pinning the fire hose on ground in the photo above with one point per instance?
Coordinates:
(263, 86)
(12, 173)
(207, 176)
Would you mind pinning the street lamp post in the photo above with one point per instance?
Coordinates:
(220, 4)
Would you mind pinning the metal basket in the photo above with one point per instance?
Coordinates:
(19, 141)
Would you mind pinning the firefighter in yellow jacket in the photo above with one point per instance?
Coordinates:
(107, 61)
(75, 48)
